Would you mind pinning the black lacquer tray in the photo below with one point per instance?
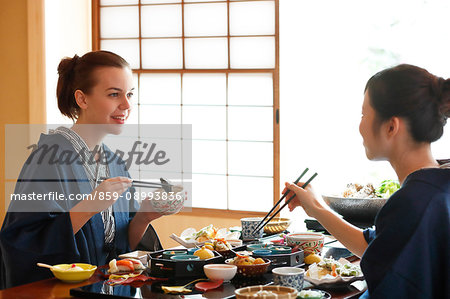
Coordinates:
(160, 267)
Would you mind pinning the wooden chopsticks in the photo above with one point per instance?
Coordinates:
(279, 201)
(259, 226)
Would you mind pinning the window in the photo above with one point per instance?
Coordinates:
(212, 64)
(328, 51)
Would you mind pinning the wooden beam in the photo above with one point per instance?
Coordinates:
(95, 25)
(276, 109)
(36, 62)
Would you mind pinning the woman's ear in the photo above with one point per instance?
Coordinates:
(80, 98)
(393, 126)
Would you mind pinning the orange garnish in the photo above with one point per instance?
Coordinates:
(240, 255)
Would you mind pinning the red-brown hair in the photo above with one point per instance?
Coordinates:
(76, 73)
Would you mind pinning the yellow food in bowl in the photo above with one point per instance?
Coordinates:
(312, 258)
(68, 273)
(209, 246)
(259, 261)
(204, 253)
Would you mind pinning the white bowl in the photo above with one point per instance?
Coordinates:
(220, 271)
(172, 204)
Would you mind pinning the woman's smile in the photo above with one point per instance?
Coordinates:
(120, 119)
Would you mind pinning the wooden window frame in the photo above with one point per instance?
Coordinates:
(274, 71)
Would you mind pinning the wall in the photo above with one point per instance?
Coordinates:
(67, 32)
(21, 73)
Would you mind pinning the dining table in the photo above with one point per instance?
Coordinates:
(55, 289)
(95, 287)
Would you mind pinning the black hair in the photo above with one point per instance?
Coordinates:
(414, 94)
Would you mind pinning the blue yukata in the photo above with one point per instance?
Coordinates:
(41, 231)
(409, 251)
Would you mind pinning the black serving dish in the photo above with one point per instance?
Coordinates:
(293, 259)
(160, 267)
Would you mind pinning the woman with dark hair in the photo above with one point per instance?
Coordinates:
(407, 255)
(95, 91)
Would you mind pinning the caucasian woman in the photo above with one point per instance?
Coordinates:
(94, 90)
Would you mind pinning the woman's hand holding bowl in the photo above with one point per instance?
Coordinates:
(163, 203)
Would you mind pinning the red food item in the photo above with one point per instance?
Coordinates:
(208, 285)
(125, 263)
(73, 266)
(135, 262)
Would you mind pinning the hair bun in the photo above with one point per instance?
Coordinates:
(437, 87)
(67, 65)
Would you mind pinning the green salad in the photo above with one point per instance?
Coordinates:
(337, 268)
(387, 188)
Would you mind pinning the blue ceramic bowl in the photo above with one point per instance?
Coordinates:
(281, 249)
(191, 251)
(169, 253)
(252, 247)
(262, 252)
(184, 257)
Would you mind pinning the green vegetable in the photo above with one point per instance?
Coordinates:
(387, 188)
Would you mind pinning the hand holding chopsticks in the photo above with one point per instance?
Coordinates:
(260, 225)
(303, 187)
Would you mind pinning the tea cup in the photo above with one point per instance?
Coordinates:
(289, 277)
(248, 227)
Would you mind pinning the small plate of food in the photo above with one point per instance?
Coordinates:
(361, 202)
(332, 273)
(140, 255)
(223, 247)
(248, 266)
(125, 266)
(190, 237)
